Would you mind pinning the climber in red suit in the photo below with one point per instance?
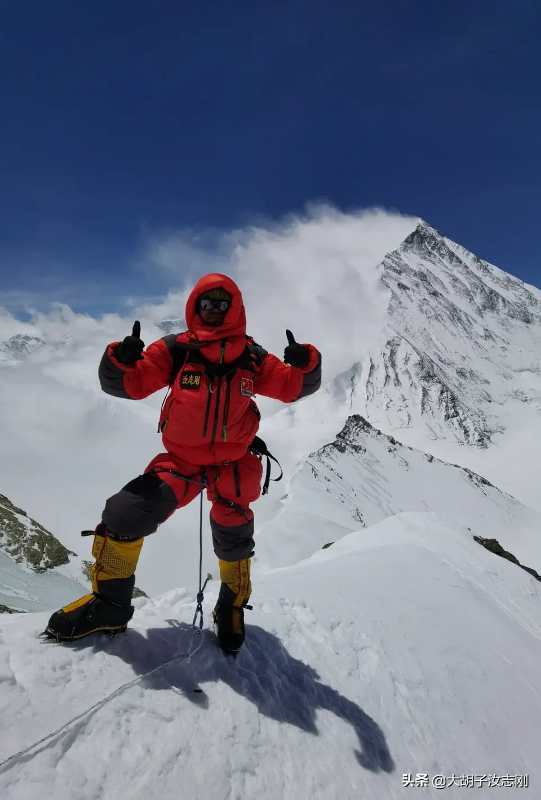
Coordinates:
(208, 424)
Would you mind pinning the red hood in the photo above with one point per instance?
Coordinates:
(233, 330)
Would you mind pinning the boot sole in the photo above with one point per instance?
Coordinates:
(113, 630)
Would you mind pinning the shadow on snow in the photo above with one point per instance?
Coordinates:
(280, 686)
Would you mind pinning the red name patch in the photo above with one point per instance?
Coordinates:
(246, 387)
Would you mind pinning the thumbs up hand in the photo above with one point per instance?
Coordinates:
(131, 348)
(295, 354)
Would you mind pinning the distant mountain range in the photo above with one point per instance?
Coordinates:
(17, 347)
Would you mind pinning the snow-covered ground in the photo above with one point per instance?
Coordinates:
(403, 648)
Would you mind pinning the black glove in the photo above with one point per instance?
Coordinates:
(295, 354)
(130, 350)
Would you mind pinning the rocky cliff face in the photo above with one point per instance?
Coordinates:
(36, 571)
(28, 542)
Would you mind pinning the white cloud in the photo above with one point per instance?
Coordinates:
(186, 252)
(310, 273)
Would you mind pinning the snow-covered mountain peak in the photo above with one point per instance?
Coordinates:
(459, 343)
(441, 265)
(423, 236)
(18, 347)
(352, 431)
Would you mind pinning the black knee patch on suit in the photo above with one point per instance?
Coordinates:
(139, 507)
(234, 543)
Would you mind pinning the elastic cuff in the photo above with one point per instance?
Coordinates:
(313, 360)
(110, 352)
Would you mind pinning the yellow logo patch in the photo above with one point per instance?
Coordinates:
(190, 380)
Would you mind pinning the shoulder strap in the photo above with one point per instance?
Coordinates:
(180, 352)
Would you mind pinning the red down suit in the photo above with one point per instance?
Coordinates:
(209, 417)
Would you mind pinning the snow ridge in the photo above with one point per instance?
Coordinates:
(365, 476)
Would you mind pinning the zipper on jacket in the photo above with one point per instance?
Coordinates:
(216, 411)
(218, 393)
(210, 389)
(226, 407)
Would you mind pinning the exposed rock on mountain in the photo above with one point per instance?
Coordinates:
(495, 547)
(7, 610)
(28, 542)
(36, 570)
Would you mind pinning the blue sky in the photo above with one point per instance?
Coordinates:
(123, 122)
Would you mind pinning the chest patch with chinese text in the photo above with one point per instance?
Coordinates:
(190, 379)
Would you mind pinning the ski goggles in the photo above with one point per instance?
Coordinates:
(208, 304)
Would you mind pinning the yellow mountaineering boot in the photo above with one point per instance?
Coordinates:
(229, 610)
(108, 608)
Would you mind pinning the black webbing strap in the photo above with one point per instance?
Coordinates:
(200, 481)
(259, 447)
